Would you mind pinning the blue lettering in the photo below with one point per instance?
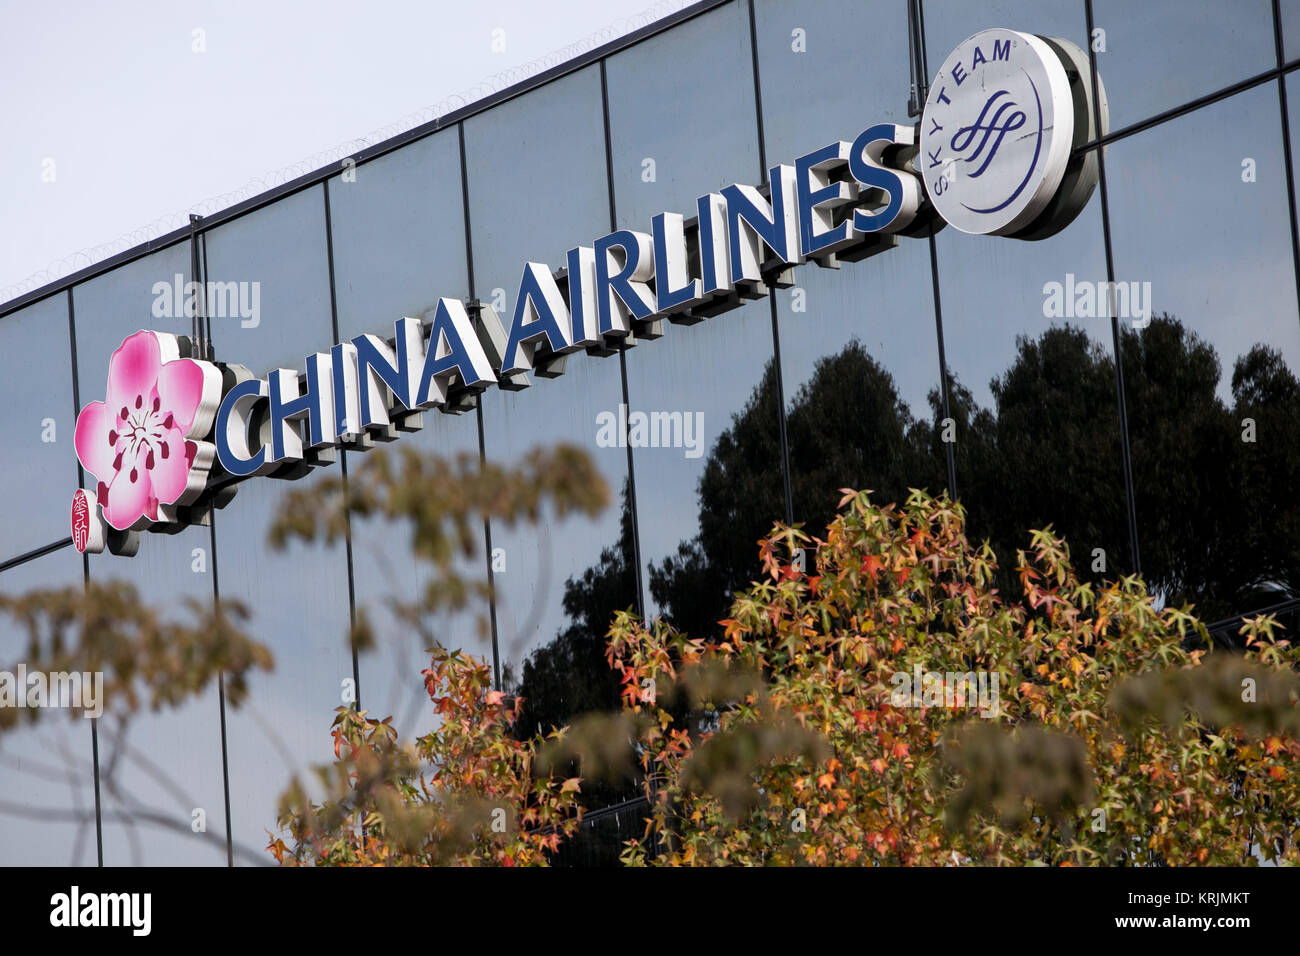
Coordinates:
(816, 164)
(231, 430)
(866, 165)
(539, 318)
(621, 290)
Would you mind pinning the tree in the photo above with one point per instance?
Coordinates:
(568, 677)
(1102, 741)
(152, 662)
(1265, 532)
(726, 725)
(465, 793)
(468, 792)
(846, 425)
(1046, 452)
(883, 705)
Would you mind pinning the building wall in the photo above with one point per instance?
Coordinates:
(837, 381)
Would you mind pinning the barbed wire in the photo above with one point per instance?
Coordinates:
(485, 87)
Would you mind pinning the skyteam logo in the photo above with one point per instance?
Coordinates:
(1000, 122)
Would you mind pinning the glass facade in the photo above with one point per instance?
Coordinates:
(39, 433)
(1161, 440)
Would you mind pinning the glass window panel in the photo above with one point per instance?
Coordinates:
(276, 257)
(948, 22)
(40, 462)
(1035, 391)
(298, 603)
(703, 503)
(1290, 17)
(545, 563)
(543, 601)
(134, 296)
(182, 745)
(806, 101)
(161, 767)
(384, 570)
(399, 245)
(398, 225)
(705, 374)
(1216, 519)
(860, 359)
(553, 135)
(298, 598)
(858, 340)
(47, 807)
(1163, 53)
(669, 147)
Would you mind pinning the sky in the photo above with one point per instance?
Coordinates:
(118, 119)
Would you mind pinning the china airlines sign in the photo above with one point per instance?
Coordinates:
(994, 154)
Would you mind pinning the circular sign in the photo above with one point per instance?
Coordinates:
(996, 132)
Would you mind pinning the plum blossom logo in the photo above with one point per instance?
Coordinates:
(144, 443)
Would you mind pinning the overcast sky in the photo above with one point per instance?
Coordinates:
(115, 115)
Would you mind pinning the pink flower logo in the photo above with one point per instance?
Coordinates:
(144, 443)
